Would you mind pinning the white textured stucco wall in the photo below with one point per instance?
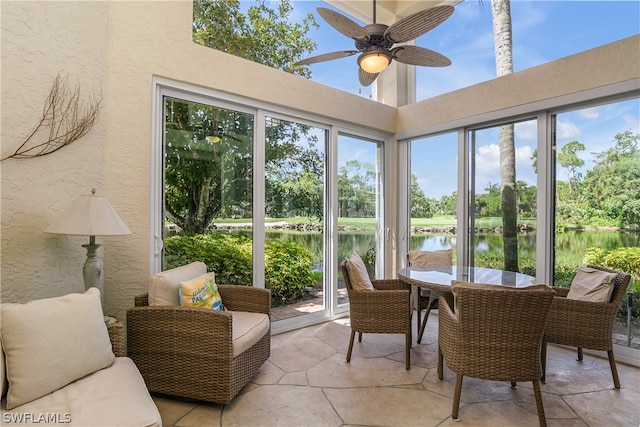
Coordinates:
(40, 40)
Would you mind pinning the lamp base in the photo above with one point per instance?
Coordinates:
(92, 269)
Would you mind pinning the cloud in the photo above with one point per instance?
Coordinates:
(527, 131)
(589, 113)
(567, 130)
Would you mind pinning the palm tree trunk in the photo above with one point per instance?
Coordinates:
(501, 14)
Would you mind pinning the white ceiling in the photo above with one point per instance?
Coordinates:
(387, 11)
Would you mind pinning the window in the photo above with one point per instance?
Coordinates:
(502, 199)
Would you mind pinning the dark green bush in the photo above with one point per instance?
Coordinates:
(287, 264)
(621, 259)
(287, 270)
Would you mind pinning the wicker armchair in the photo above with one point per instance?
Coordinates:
(495, 334)
(188, 352)
(426, 299)
(386, 310)
(585, 324)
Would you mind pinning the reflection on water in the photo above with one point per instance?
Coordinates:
(571, 242)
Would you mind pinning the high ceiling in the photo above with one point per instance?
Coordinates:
(387, 11)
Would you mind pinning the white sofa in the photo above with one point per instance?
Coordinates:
(61, 364)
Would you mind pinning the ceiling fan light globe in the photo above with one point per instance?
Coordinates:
(374, 62)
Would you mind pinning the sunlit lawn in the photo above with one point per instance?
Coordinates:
(436, 221)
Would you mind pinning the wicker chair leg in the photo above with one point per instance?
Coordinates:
(456, 398)
(407, 350)
(614, 370)
(440, 363)
(513, 384)
(419, 310)
(538, 395)
(580, 355)
(359, 336)
(432, 302)
(353, 335)
(543, 360)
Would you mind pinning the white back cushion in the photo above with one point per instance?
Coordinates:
(52, 342)
(164, 287)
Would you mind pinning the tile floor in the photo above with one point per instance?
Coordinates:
(306, 382)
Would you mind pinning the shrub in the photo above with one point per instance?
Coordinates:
(287, 264)
(621, 259)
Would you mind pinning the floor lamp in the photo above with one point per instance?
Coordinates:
(92, 216)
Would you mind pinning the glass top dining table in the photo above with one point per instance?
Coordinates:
(439, 278)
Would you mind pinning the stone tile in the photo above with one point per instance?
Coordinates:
(295, 378)
(389, 406)
(493, 414)
(171, 409)
(363, 372)
(281, 406)
(610, 408)
(554, 406)
(307, 382)
(268, 374)
(473, 389)
(299, 353)
(205, 415)
(575, 377)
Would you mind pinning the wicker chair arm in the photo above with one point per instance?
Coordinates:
(171, 330)
(383, 299)
(116, 336)
(246, 298)
(389, 285)
(561, 292)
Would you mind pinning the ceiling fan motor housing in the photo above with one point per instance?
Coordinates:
(376, 38)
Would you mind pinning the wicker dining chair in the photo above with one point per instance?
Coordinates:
(384, 310)
(426, 299)
(494, 334)
(585, 324)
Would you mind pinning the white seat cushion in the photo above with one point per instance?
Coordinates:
(248, 328)
(113, 396)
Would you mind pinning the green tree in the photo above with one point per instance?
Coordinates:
(208, 166)
(264, 35)
(568, 158)
(612, 186)
(421, 205)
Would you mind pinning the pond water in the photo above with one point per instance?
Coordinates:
(570, 246)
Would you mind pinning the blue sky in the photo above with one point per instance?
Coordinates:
(543, 31)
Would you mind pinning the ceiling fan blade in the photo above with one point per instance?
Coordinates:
(416, 55)
(343, 24)
(366, 78)
(327, 57)
(413, 26)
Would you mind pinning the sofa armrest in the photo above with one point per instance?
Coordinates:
(246, 298)
(116, 335)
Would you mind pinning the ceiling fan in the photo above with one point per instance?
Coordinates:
(375, 41)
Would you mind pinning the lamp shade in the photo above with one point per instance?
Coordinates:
(374, 61)
(89, 216)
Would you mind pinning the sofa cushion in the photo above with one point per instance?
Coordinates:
(201, 292)
(164, 286)
(590, 284)
(441, 258)
(114, 396)
(248, 328)
(358, 275)
(51, 342)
